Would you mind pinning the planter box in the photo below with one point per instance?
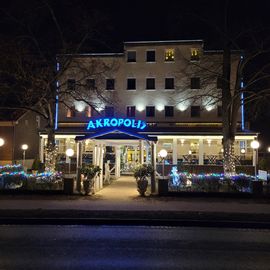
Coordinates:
(163, 186)
(68, 186)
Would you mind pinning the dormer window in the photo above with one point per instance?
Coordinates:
(169, 55)
(195, 54)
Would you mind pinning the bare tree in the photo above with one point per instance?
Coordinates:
(33, 75)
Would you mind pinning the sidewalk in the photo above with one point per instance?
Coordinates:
(120, 200)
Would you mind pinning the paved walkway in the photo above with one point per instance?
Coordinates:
(122, 195)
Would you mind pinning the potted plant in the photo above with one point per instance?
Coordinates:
(36, 166)
(141, 173)
(89, 172)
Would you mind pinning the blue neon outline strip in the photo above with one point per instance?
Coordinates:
(56, 108)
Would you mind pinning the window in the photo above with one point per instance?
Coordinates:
(195, 55)
(169, 111)
(131, 56)
(109, 111)
(195, 111)
(169, 55)
(150, 83)
(219, 82)
(71, 84)
(88, 111)
(219, 111)
(109, 84)
(91, 84)
(169, 83)
(131, 111)
(195, 83)
(150, 111)
(131, 84)
(150, 56)
(71, 112)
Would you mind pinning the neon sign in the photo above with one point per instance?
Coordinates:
(116, 122)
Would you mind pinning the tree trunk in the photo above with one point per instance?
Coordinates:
(229, 159)
(50, 152)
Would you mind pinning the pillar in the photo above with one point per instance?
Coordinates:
(41, 149)
(101, 166)
(67, 147)
(98, 156)
(94, 156)
(200, 151)
(78, 166)
(141, 152)
(154, 164)
(174, 161)
(117, 161)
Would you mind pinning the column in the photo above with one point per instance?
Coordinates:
(141, 152)
(41, 149)
(117, 161)
(101, 166)
(174, 151)
(154, 163)
(79, 166)
(98, 154)
(67, 147)
(200, 151)
(94, 156)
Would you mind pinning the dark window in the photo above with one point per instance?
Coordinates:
(219, 82)
(91, 84)
(150, 83)
(150, 111)
(169, 111)
(109, 84)
(195, 111)
(195, 83)
(131, 56)
(131, 84)
(150, 56)
(169, 83)
(109, 111)
(131, 111)
(219, 111)
(71, 84)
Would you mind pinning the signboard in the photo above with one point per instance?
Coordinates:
(262, 175)
(116, 123)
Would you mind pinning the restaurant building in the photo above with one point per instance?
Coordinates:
(154, 95)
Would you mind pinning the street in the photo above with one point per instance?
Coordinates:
(132, 247)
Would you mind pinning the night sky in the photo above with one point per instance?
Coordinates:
(118, 21)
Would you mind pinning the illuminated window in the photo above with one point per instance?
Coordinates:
(131, 84)
(195, 111)
(169, 111)
(91, 84)
(150, 56)
(195, 83)
(131, 56)
(150, 111)
(169, 83)
(169, 55)
(71, 112)
(195, 55)
(131, 111)
(109, 111)
(71, 84)
(109, 84)
(150, 83)
(88, 111)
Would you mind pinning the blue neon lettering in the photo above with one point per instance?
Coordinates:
(143, 125)
(127, 122)
(98, 123)
(120, 122)
(106, 122)
(91, 125)
(114, 122)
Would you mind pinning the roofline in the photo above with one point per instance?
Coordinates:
(188, 41)
(91, 54)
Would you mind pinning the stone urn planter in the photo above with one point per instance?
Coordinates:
(141, 174)
(89, 172)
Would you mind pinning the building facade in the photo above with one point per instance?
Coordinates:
(155, 95)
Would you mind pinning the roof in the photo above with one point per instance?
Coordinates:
(163, 42)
